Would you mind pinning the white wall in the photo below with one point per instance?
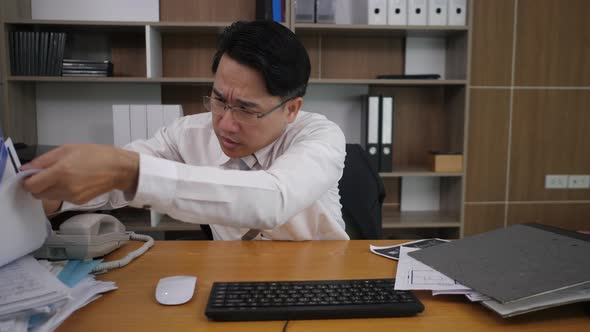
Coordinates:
(339, 103)
(82, 112)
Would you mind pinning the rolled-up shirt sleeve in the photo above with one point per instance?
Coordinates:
(162, 145)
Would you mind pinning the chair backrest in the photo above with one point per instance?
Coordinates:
(361, 194)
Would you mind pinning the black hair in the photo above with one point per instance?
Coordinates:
(270, 48)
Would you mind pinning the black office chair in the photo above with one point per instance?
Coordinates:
(361, 194)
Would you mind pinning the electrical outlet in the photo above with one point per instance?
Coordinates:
(556, 181)
(578, 181)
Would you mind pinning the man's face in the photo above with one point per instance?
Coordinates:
(241, 86)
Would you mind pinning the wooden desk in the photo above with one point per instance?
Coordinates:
(133, 308)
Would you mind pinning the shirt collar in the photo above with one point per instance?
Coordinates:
(261, 156)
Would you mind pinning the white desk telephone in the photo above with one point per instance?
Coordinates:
(84, 236)
(91, 235)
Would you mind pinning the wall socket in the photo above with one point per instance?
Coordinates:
(578, 181)
(556, 181)
(559, 181)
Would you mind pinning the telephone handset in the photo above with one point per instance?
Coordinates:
(84, 236)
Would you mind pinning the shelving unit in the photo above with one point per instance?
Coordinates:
(175, 56)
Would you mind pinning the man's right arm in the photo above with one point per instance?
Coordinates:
(162, 145)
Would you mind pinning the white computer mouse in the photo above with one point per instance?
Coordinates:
(175, 290)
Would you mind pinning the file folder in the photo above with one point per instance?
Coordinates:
(515, 263)
(437, 12)
(277, 10)
(171, 113)
(324, 12)
(373, 105)
(386, 157)
(457, 12)
(397, 12)
(417, 12)
(304, 11)
(264, 10)
(121, 125)
(155, 119)
(377, 12)
(350, 12)
(138, 122)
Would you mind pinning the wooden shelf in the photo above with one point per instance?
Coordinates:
(85, 23)
(420, 219)
(64, 79)
(399, 30)
(214, 27)
(185, 80)
(388, 82)
(418, 172)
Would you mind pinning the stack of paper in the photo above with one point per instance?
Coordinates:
(26, 287)
(32, 298)
(86, 291)
(521, 268)
(413, 275)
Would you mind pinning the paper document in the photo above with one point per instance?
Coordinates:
(392, 252)
(571, 295)
(413, 275)
(24, 225)
(83, 293)
(26, 285)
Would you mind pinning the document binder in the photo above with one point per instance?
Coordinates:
(397, 12)
(264, 10)
(324, 12)
(171, 113)
(417, 12)
(155, 119)
(457, 12)
(304, 11)
(377, 12)
(386, 157)
(373, 105)
(437, 12)
(121, 125)
(138, 122)
(523, 262)
(350, 12)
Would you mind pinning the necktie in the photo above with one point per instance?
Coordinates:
(252, 233)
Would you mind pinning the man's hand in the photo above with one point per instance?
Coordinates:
(51, 207)
(79, 173)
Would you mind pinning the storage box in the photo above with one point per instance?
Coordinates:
(447, 162)
(92, 10)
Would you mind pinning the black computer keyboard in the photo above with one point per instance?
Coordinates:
(321, 299)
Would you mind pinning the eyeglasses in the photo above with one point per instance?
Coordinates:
(240, 114)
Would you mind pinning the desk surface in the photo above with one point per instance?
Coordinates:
(133, 307)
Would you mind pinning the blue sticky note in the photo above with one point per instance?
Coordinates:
(76, 270)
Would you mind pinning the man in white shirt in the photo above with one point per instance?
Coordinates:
(254, 167)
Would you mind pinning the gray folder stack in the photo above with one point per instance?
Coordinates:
(522, 268)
